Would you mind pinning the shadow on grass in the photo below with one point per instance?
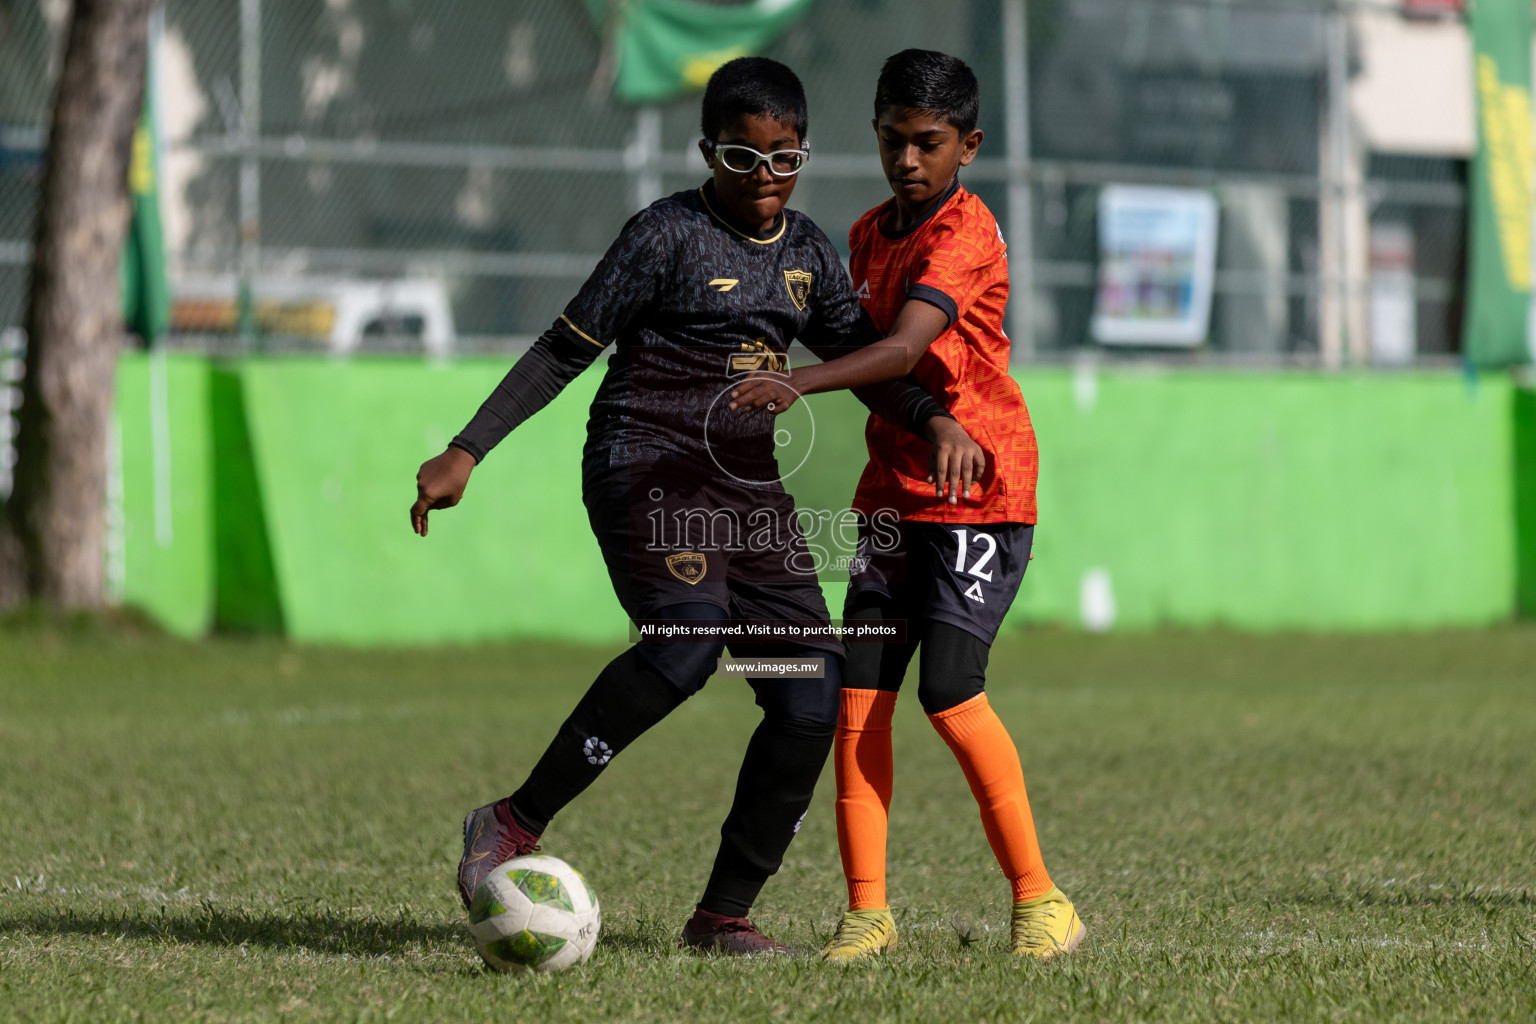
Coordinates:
(316, 932)
(320, 932)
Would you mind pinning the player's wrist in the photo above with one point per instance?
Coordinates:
(804, 380)
(938, 425)
(461, 455)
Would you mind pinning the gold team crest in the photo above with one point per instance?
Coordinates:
(688, 566)
(799, 284)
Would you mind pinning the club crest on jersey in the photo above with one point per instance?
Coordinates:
(799, 284)
(688, 566)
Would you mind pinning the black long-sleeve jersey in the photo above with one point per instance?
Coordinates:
(693, 301)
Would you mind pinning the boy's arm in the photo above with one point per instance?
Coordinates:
(554, 361)
(544, 370)
(955, 461)
(841, 334)
(840, 325)
(917, 326)
(625, 282)
(958, 264)
(904, 402)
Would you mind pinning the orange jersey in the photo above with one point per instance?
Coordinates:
(955, 259)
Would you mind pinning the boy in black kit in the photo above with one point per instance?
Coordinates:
(681, 486)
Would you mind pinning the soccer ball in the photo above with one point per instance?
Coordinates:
(534, 914)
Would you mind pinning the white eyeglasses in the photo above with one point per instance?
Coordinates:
(782, 163)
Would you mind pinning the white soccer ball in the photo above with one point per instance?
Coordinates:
(534, 913)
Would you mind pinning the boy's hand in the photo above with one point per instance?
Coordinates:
(440, 483)
(956, 461)
(764, 390)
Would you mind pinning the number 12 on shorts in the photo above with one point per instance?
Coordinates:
(978, 568)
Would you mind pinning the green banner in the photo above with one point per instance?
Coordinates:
(1499, 263)
(146, 291)
(663, 49)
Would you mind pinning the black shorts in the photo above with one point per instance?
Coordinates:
(965, 575)
(673, 534)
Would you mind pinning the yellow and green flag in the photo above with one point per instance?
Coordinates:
(1499, 261)
(664, 49)
(145, 288)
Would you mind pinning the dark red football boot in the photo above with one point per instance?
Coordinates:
(730, 936)
(491, 837)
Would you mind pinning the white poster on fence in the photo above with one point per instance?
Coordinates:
(1157, 259)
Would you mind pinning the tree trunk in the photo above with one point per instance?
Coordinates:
(56, 514)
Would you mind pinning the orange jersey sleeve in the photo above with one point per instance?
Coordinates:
(959, 262)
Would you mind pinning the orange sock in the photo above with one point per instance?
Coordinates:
(991, 764)
(862, 758)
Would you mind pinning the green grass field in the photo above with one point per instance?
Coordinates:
(1287, 828)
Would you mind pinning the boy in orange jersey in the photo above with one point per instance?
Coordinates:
(959, 564)
(936, 249)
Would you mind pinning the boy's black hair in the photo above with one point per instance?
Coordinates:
(933, 82)
(750, 86)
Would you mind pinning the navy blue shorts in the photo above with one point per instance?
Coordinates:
(965, 575)
(672, 534)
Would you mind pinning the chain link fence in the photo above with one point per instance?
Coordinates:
(336, 151)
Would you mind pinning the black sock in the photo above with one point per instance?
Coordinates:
(627, 698)
(773, 790)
